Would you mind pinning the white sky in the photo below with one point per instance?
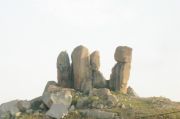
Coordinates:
(33, 32)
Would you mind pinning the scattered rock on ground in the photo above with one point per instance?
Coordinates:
(98, 114)
(131, 92)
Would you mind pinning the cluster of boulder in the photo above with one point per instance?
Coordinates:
(83, 73)
(80, 86)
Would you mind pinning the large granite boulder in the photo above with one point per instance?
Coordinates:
(56, 95)
(95, 60)
(123, 54)
(121, 71)
(119, 77)
(64, 70)
(81, 69)
(98, 80)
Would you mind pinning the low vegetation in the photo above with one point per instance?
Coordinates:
(128, 106)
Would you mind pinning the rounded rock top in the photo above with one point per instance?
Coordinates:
(123, 54)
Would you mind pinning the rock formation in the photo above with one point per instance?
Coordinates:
(83, 93)
(121, 71)
(98, 80)
(83, 74)
(64, 70)
(81, 69)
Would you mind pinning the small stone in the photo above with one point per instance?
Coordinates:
(18, 114)
(98, 114)
(131, 92)
(100, 106)
(82, 103)
(29, 111)
(9, 107)
(72, 108)
(112, 99)
(123, 106)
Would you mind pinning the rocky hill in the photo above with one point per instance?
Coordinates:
(82, 92)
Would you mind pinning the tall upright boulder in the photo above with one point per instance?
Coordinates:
(121, 71)
(95, 60)
(64, 70)
(98, 80)
(81, 69)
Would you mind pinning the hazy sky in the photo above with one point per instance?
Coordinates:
(33, 32)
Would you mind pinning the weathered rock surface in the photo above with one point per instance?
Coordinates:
(123, 54)
(106, 95)
(98, 80)
(131, 92)
(57, 99)
(64, 70)
(49, 83)
(101, 92)
(119, 77)
(13, 107)
(23, 105)
(81, 69)
(9, 107)
(57, 111)
(56, 95)
(36, 103)
(98, 114)
(82, 103)
(112, 100)
(95, 60)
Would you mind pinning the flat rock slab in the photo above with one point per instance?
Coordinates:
(57, 111)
